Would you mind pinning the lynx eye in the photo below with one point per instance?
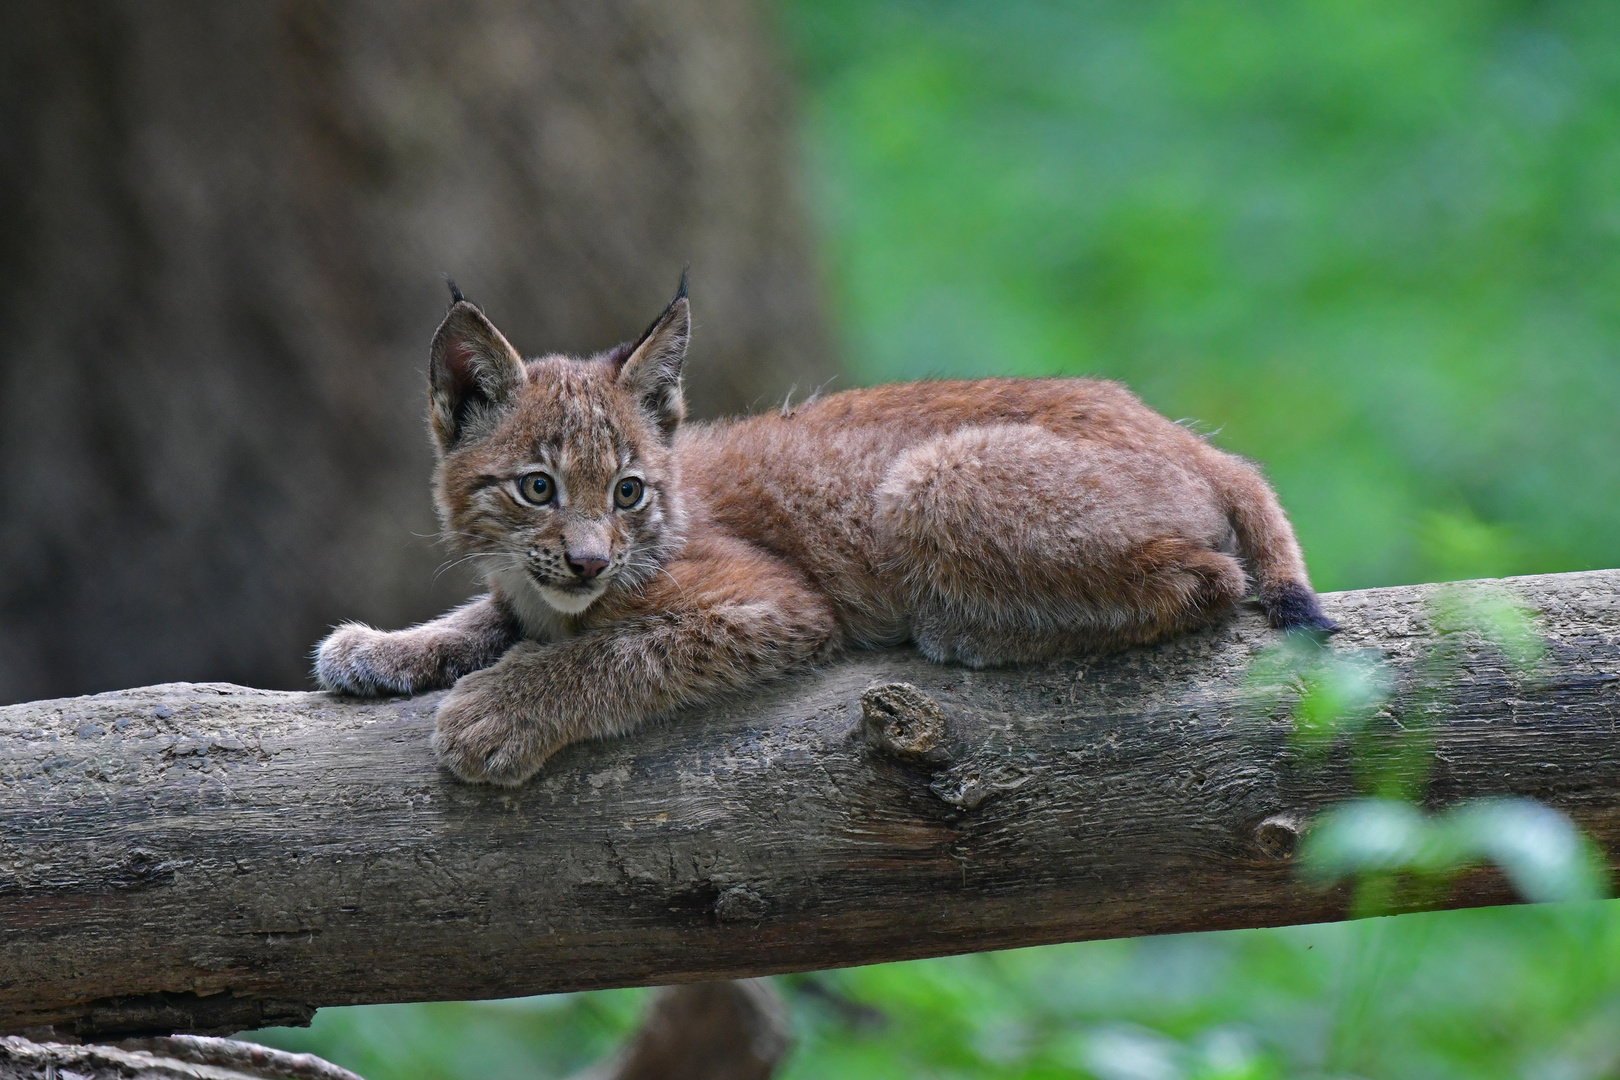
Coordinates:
(628, 493)
(536, 488)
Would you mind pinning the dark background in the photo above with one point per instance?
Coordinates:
(224, 232)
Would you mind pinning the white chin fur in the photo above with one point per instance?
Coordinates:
(569, 603)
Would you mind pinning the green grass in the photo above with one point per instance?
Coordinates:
(1373, 245)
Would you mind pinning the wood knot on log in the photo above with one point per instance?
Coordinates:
(972, 784)
(739, 903)
(1278, 835)
(903, 722)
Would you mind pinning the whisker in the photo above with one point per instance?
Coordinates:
(449, 564)
(678, 587)
(640, 567)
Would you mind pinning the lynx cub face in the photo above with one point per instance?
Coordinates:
(558, 470)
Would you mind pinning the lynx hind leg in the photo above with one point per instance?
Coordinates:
(1015, 544)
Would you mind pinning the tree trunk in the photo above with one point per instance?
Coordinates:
(224, 230)
(210, 858)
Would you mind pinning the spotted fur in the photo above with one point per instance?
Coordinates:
(990, 522)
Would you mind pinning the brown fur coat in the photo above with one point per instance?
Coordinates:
(636, 566)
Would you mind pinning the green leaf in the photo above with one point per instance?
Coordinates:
(1541, 851)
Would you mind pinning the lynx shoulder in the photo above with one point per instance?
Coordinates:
(637, 564)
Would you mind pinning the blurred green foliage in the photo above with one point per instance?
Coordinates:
(1389, 844)
(1399, 856)
(1345, 699)
(1531, 992)
(1375, 246)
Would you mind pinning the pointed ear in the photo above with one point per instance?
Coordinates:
(651, 368)
(472, 371)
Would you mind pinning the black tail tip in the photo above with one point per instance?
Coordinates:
(1292, 606)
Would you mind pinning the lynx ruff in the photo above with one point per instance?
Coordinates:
(637, 565)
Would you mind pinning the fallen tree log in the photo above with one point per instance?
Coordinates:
(208, 858)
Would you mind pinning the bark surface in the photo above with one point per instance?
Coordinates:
(209, 858)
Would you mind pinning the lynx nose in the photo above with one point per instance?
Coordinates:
(586, 566)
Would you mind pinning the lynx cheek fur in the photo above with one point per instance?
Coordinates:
(636, 565)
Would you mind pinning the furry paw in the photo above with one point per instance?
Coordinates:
(478, 736)
(355, 659)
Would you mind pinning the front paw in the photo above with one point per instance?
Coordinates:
(355, 659)
(479, 735)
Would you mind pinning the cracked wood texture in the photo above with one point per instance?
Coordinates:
(208, 858)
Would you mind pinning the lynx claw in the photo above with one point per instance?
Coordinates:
(476, 738)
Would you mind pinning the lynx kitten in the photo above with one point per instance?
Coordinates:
(637, 565)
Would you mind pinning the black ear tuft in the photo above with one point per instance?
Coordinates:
(625, 350)
(455, 293)
(651, 368)
(473, 372)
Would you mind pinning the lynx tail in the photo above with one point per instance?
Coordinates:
(1271, 554)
